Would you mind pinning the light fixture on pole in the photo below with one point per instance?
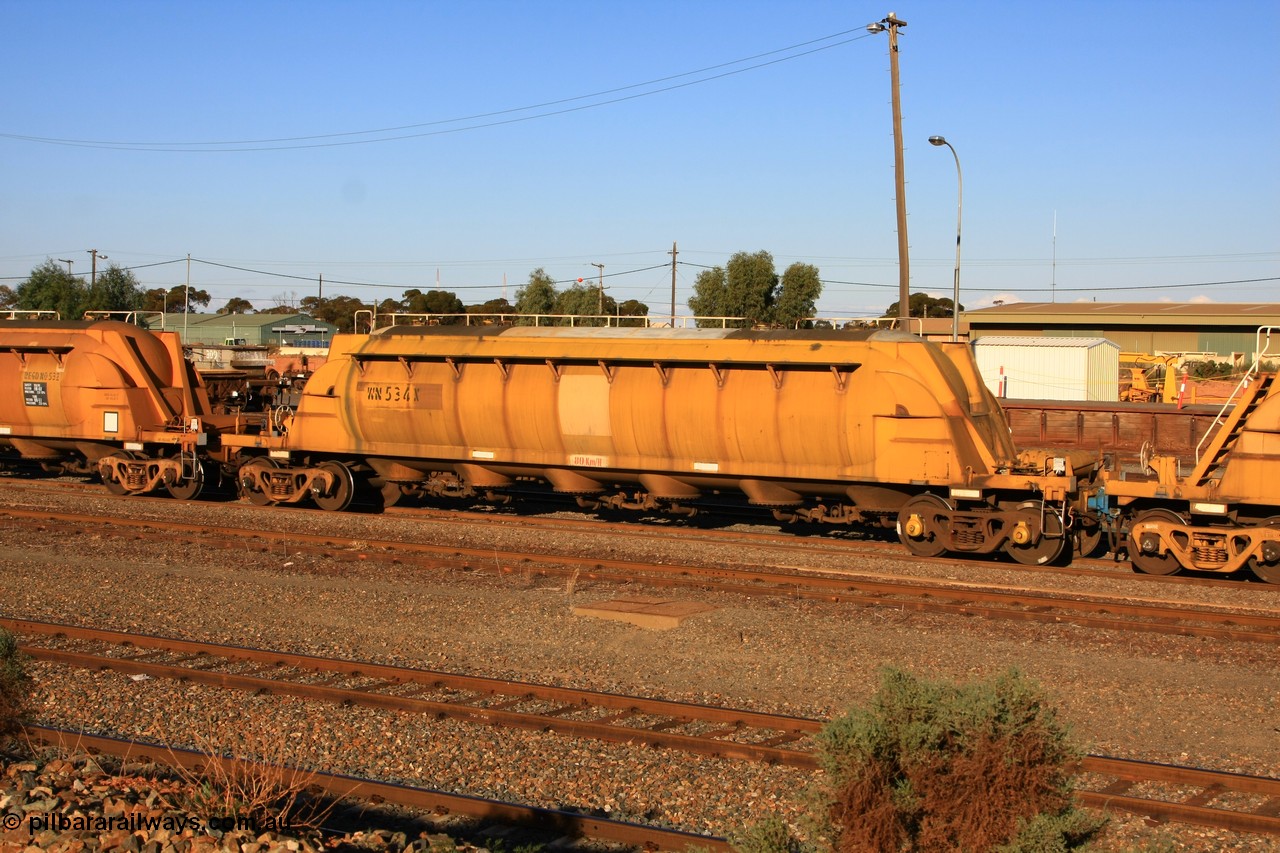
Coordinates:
(93, 274)
(955, 299)
(600, 295)
(893, 23)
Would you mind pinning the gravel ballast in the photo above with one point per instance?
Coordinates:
(1159, 698)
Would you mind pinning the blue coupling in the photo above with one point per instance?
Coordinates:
(1098, 500)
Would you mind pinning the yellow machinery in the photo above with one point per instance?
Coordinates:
(1146, 378)
(107, 398)
(871, 427)
(1224, 514)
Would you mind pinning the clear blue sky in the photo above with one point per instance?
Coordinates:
(1150, 130)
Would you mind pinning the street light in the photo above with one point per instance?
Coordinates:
(97, 256)
(955, 299)
(600, 296)
(893, 23)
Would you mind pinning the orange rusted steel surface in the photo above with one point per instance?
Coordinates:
(87, 382)
(474, 687)
(870, 417)
(1026, 605)
(1193, 809)
(1117, 429)
(1222, 513)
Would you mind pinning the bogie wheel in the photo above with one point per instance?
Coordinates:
(924, 541)
(339, 496)
(248, 479)
(188, 490)
(1051, 544)
(1086, 536)
(1269, 572)
(1153, 564)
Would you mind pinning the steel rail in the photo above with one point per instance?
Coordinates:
(1194, 809)
(816, 543)
(353, 787)
(793, 543)
(1125, 773)
(1021, 605)
(610, 727)
(798, 542)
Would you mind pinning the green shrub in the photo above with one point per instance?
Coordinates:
(1053, 833)
(771, 835)
(929, 765)
(14, 681)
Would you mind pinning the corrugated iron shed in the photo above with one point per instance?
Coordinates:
(253, 329)
(1227, 330)
(1234, 314)
(1041, 368)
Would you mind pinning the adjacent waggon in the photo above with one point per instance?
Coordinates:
(105, 398)
(863, 428)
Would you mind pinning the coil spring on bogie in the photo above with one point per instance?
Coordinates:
(1205, 554)
(135, 477)
(966, 537)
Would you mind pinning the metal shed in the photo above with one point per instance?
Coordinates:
(292, 330)
(1034, 368)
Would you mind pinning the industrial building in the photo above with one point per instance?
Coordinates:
(280, 330)
(1223, 331)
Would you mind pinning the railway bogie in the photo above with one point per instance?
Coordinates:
(275, 479)
(133, 472)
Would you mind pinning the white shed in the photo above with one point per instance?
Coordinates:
(1049, 368)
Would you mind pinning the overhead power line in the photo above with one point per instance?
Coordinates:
(1107, 288)
(384, 284)
(479, 120)
(1021, 289)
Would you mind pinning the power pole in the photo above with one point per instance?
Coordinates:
(892, 23)
(93, 274)
(600, 298)
(673, 254)
(186, 302)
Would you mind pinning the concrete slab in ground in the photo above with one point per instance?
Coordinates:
(647, 612)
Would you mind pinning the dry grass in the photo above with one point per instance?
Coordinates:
(15, 684)
(254, 771)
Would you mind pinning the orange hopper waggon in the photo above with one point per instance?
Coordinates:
(873, 428)
(106, 399)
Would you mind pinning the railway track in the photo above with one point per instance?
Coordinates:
(815, 541)
(921, 595)
(573, 825)
(1231, 801)
(792, 542)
